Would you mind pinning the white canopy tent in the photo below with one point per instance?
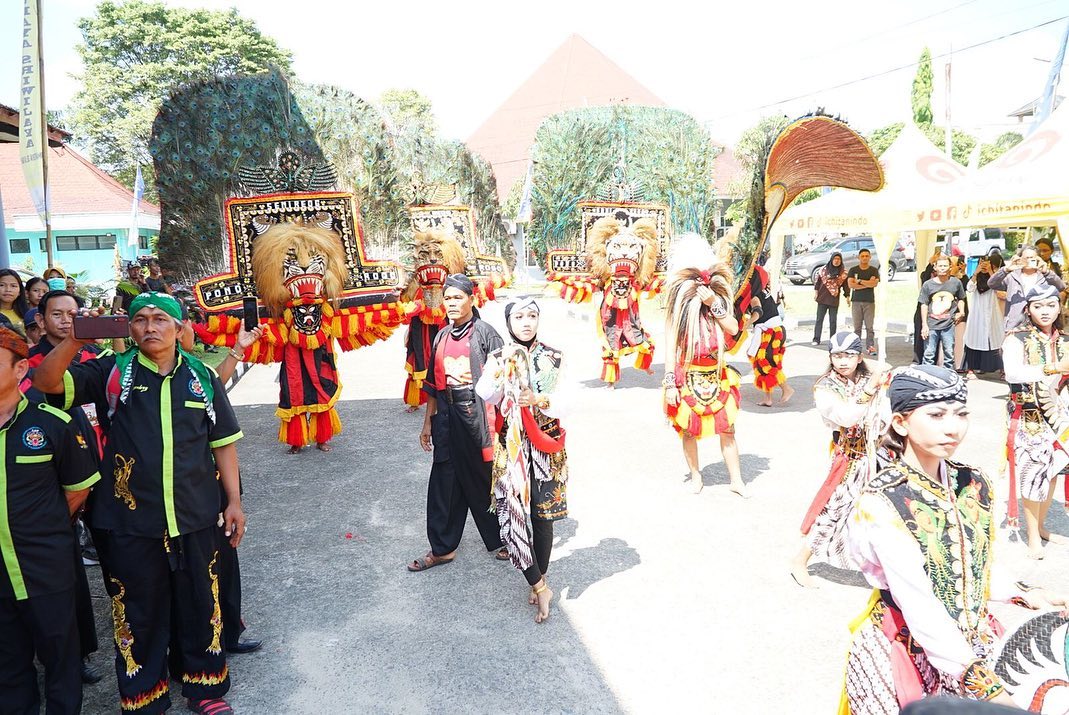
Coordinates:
(914, 171)
(926, 192)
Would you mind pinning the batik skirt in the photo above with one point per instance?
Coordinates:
(825, 523)
(887, 670)
(1035, 453)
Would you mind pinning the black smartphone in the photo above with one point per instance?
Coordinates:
(252, 314)
(116, 304)
(102, 326)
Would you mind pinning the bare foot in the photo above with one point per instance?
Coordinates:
(544, 597)
(1052, 538)
(531, 597)
(294, 450)
(323, 446)
(788, 393)
(696, 482)
(649, 371)
(767, 402)
(801, 576)
(740, 489)
(1035, 553)
(409, 409)
(610, 385)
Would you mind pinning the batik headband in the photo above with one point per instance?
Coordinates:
(522, 303)
(1040, 291)
(918, 385)
(460, 282)
(151, 299)
(10, 340)
(845, 341)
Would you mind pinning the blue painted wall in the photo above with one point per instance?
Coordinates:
(99, 263)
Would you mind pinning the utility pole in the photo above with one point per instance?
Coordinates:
(948, 139)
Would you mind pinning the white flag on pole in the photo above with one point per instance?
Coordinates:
(523, 214)
(139, 192)
(32, 140)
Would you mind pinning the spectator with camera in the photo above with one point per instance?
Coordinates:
(1024, 271)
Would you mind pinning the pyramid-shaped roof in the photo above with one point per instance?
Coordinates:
(575, 75)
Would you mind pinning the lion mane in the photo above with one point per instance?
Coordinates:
(693, 263)
(434, 246)
(607, 227)
(270, 250)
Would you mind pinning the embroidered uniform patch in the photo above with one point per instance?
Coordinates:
(34, 438)
(196, 389)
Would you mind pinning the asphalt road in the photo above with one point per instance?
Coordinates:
(666, 601)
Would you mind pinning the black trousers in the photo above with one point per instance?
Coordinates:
(542, 544)
(83, 608)
(43, 626)
(460, 480)
(229, 589)
(833, 320)
(229, 603)
(151, 581)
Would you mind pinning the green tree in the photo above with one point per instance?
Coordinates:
(409, 110)
(921, 99)
(884, 137)
(964, 143)
(136, 53)
(1005, 142)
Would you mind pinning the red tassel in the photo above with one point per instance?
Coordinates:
(324, 431)
(294, 433)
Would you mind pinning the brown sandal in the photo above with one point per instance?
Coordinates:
(428, 561)
(502, 554)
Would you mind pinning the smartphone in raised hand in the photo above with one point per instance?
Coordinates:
(88, 327)
(251, 314)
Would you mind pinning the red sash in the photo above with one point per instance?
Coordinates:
(1011, 459)
(839, 464)
(539, 439)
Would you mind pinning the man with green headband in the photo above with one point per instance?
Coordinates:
(170, 431)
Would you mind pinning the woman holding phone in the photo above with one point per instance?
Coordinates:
(1025, 271)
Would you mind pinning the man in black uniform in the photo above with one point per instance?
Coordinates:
(171, 432)
(46, 470)
(55, 316)
(457, 429)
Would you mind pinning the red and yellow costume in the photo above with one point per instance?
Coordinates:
(301, 272)
(622, 260)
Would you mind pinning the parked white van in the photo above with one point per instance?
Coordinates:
(979, 241)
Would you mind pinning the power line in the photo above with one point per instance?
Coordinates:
(884, 33)
(889, 71)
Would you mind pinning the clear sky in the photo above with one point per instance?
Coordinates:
(725, 63)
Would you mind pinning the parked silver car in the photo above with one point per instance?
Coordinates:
(802, 267)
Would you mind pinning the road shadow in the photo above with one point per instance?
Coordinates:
(843, 577)
(801, 401)
(716, 473)
(630, 378)
(346, 627)
(587, 565)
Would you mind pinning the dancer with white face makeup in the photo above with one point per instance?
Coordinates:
(530, 473)
(1036, 360)
(924, 534)
(846, 397)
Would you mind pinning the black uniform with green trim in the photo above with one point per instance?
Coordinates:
(41, 456)
(158, 472)
(154, 517)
